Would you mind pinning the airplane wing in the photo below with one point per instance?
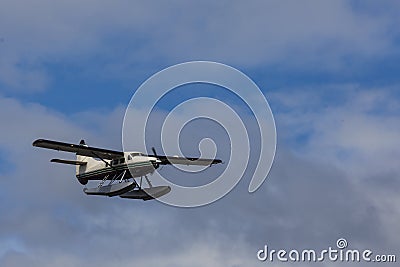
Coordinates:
(82, 150)
(165, 160)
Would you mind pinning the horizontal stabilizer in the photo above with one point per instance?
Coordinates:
(71, 162)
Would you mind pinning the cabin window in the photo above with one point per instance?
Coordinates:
(114, 162)
(121, 161)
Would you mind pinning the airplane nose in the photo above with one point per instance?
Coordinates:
(156, 163)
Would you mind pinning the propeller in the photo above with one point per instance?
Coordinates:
(156, 165)
(154, 151)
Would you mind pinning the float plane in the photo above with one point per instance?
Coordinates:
(118, 168)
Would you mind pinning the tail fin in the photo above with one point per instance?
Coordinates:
(89, 161)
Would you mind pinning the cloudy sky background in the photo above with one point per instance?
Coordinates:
(329, 70)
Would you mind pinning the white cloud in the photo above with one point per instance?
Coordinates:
(357, 131)
(305, 203)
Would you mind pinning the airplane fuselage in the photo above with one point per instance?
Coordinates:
(132, 165)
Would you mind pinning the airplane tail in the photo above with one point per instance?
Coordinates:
(87, 161)
(82, 163)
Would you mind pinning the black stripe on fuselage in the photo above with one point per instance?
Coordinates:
(133, 170)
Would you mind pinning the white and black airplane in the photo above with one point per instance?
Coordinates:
(119, 168)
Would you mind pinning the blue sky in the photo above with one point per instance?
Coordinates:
(329, 69)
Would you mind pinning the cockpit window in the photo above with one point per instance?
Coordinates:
(122, 160)
(114, 162)
(129, 157)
